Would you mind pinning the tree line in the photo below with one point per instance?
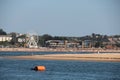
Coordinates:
(96, 39)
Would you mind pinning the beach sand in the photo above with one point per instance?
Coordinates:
(114, 57)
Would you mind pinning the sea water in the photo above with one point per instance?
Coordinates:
(13, 69)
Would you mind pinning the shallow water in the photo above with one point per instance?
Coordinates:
(12, 69)
(38, 53)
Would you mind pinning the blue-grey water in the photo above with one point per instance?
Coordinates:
(13, 69)
(37, 53)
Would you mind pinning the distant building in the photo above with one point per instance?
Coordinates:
(86, 44)
(55, 43)
(62, 44)
(21, 40)
(72, 44)
(5, 38)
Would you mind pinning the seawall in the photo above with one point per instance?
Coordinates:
(94, 50)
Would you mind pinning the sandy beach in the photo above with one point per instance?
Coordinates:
(104, 55)
(114, 57)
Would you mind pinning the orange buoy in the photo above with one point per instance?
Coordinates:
(40, 68)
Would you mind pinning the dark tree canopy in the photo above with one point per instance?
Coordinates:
(2, 32)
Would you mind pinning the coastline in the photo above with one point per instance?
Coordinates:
(96, 54)
(115, 57)
(43, 49)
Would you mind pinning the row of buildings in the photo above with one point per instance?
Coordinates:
(68, 44)
(5, 38)
(21, 40)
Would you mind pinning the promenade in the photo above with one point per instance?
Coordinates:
(44, 49)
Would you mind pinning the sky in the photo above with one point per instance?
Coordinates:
(61, 17)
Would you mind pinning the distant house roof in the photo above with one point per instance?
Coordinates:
(5, 35)
(54, 41)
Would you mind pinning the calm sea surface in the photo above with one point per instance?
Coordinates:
(12, 69)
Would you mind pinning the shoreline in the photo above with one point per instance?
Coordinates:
(115, 57)
(93, 50)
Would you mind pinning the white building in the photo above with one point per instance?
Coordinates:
(5, 38)
(21, 40)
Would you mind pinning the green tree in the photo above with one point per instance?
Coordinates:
(2, 32)
(118, 44)
(5, 43)
(14, 39)
(98, 44)
(43, 39)
(59, 38)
